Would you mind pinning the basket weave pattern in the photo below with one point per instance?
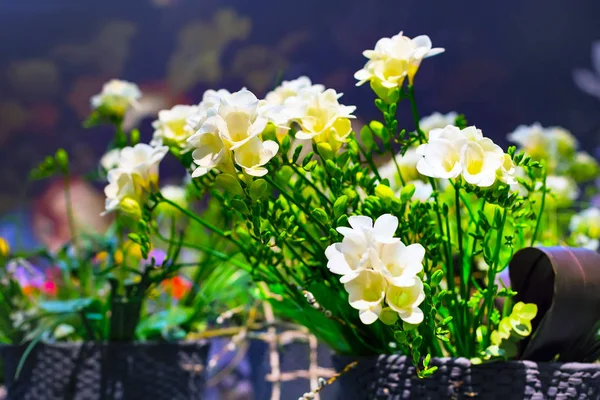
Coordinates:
(393, 377)
(90, 371)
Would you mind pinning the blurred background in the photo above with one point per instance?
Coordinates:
(505, 64)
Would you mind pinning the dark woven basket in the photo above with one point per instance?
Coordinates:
(393, 377)
(90, 371)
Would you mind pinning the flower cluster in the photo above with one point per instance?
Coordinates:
(116, 98)
(231, 132)
(172, 128)
(585, 228)
(316, 110)
(393, 60)
(451, 152)
(133, 177)
(379, 269)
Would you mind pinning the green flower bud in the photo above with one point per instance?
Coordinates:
(385, 193)
(131, 208)
(407, 192)
(230, 184)
(325, 151)
(270, 132)
(62, 160)
(339, 207)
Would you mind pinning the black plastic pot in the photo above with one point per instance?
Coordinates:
(115, 371)
(393, 377)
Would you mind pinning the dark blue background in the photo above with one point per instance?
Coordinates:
(506, 63)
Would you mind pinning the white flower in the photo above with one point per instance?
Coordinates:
(141, 162)
(551, 144)
(120, 187)
(366, 293)
(481, 161)
(176, 194)
(324, 119)
(254, 154)
(586, 242)
(376, 266)
(564, 190)
(134, 176)
(394, 59)
(171, 128)
(211, 100)
(406, 300)
(291, 89)
(238, 119)
(451, 152)
(437, 121)
(116, 97)
(408, 168)
(423, 190)
(110, 159)
(399, 264)
(210, 150)
(349, 257)
(587, 223)
(442, 155)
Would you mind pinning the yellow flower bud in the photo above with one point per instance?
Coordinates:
(131, 208)
(4, 247)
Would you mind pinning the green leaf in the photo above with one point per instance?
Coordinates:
(240, 206)
(154, 325)
(230, 184)
(259, 189)
(65, 306)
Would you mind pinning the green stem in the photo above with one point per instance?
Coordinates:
(493, 269)
(397, 166)
(415, 113)
(369, 160)
(70, 215)
(310, 183)
(292, 200)
(201, 221)
(539, 216)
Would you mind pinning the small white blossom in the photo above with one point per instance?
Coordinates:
(171, 128)
(254, 154)
(442, 154)
(141, 161)
(587, 223)
(324, 119)
(116, 97)
(211, 100)
(395, 59)
(110, 159)
(552, 144)
(134, 176)
(176, 194)
(437, 121)
(452, 152)
(405, 301)
(563, 189)
(238, 119)
(210, 149)
(291, 89)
